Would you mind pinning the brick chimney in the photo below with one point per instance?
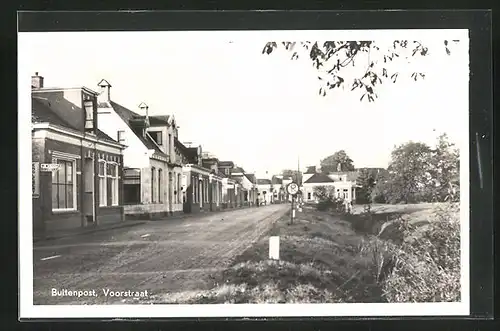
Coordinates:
(104, 91)
(36, 81)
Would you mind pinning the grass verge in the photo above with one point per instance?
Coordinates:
(328, 259)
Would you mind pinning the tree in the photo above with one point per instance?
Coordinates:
(445, 170)
(366, 179)
(294, 174)
(331, 163)
(409, 174)
(383, 187)
(330, 58)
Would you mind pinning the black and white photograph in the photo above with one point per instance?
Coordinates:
(245, 173)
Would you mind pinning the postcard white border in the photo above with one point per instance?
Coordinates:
(28, 310)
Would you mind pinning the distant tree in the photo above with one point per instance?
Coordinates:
(331, 57)
(366, 179)
(409, 174)
(331, 163)
(418, 173)
(311, 169)
(294, 174)
(445, 170)
(382, 188)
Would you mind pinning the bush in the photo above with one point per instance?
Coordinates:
(328, 201)
(427, 265)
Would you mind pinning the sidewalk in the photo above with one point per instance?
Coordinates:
(86, 230)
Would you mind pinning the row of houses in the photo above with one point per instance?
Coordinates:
(343, 183)
(96, 161)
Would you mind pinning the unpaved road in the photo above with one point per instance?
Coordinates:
(159, 257)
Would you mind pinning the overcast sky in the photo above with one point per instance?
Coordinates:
(260, 111)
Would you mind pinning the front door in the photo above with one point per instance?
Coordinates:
(88, 194)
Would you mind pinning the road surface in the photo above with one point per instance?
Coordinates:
(148, 261)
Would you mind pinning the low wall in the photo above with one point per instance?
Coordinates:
(152, 211)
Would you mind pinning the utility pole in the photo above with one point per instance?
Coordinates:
(298, 171)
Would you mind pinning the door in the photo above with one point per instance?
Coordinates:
(88, 194)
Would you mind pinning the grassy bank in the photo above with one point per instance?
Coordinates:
(332, 258)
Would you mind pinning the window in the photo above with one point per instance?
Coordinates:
(169, 143)
(226, 171)
(171, 185)
(308, 195)
(194, 184)
(63, 186)
(153, 185)
(205, 186)
(346, 193)
(121, 136)
(157, 137)
(159, 185)
(89, 114)
(112, 189)
(178, 188)
(102, 183)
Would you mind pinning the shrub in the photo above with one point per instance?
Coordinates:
(427, 265)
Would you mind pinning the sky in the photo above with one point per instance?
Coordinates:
(261, 111)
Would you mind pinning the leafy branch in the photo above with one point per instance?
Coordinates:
(331, 57)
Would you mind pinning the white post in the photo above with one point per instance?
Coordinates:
(274, 248)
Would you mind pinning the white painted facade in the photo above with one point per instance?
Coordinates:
(160, 184)
(343, 188)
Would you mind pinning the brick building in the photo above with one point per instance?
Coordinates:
(85, 189)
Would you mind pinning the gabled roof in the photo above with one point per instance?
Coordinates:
(319, 178)
(226, 164)
(129, 117)
(276, 180)
(251, 178)
(236, 170)
(41, 112)
(190, 153)
(351, 175)
(263, 181)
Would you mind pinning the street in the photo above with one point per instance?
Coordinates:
(149, 260)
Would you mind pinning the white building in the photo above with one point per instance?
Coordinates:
(264, 194)
(343, 183)
(152, 174)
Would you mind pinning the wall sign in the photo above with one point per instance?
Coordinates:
(49, 167)
(35, 167)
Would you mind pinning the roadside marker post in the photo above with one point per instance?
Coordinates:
(292, 189)
(274, 248)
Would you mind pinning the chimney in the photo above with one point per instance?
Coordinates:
(36, 81)
(144, 110)
(104, 91)
(339, 167)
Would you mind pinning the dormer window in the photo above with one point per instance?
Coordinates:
(89, 114)
(121, 136)
(157, 137)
